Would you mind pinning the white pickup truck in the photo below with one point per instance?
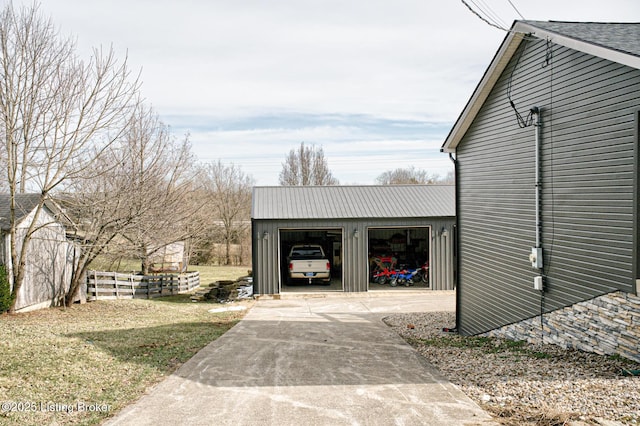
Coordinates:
(308, 262)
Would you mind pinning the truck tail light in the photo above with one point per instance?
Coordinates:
(290, 266)
(328, 266)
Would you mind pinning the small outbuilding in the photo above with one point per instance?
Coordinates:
(50, 256)
(357, 226)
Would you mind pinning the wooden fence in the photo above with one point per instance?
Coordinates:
(115, 285)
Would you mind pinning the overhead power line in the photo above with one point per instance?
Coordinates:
(487, 21)
(483, 11)
(483, 7)
(516, 9)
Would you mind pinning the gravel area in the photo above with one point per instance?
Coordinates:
(524, 384)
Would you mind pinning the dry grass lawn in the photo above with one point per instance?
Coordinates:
(83, 364)
(210, 274)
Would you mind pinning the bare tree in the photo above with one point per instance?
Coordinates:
(57, 113)
(101, 210)
(406, 176)
(229, 189)
(306, 166)
(162, 176)
(141, 199)
(4, 184)
(449, 179)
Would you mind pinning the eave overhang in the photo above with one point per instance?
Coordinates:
(507, 49)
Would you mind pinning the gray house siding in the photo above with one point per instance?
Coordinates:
(267, 257)
(589, 193)
(636, 207)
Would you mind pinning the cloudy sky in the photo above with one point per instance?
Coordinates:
(377, 83)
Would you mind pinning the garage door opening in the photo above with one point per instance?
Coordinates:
(399, 257)
(330, 240)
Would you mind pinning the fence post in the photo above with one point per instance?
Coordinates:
(95, 284)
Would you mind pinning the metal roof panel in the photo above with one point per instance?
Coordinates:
(342, 202)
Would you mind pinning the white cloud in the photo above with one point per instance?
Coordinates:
(358, 149)
(217, 68)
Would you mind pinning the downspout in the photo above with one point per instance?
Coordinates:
(254, 257)
(456, 240)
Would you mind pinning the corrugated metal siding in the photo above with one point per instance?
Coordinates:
(267, 257)
(588, 176)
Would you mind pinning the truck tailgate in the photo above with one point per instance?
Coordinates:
(305, 266)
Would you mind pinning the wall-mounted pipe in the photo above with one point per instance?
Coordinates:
(536, 255)
(536, 252)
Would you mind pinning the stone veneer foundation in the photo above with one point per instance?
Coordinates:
(606, 325)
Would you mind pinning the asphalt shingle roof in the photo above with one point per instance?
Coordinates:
(25, 203)
(623, 37)
(346, 202)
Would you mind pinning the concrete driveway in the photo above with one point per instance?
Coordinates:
(312, 361)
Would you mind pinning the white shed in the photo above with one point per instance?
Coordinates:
(50, 256)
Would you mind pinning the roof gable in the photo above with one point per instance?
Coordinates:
(617, 42)
(346, 202)
(25, 203)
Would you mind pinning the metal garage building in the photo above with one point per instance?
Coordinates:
(354, 224)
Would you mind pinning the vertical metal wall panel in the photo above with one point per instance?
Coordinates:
(355, 275)
(443, 259)
(355, 258)
(265, 267)
(588, 177)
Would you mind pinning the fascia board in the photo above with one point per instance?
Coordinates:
(492, 74)
(597, 50)
(502, 58)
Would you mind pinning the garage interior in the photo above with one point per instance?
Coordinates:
(331, 242)
(408, 248)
